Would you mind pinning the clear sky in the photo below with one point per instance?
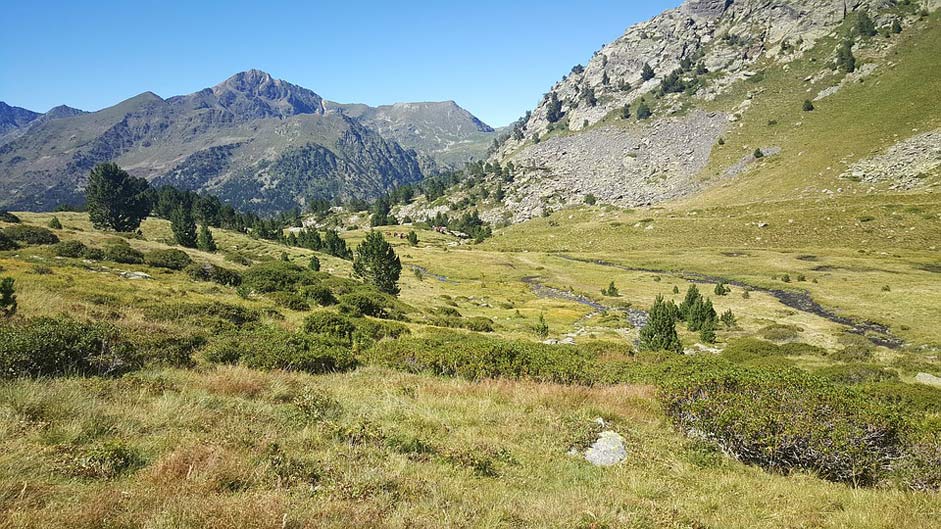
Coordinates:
(494, 58)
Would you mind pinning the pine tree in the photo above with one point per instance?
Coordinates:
(611, 291)
(728, 318)
(604, 78)
(721, 289)
(412, 238)
(707, 331)
(376, 263)
(660, 331)
(335, 246)
(554, 108)
(7, 297)
(204, 241)
(647, 72)
(314, 263)
(643, 110)
(541, 328)
(183, 227)
(808, 105)
(845, 60)
(896, 26)
(758, 154)
(865, 25)
(285, 257)
(626, 112)
(115, 199)
(693, 298)
(676, 289)
(55, 224)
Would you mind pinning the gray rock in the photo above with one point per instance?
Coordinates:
(608, 450)
(929, 379)
(135, 275)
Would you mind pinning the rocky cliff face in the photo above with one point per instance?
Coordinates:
(577, 141)
(259, 142)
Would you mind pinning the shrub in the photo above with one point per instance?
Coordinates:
(7, 243)
(919, 398)
(365, 303)
(228, 312)
(275, 276)
(120, 253)
(477, 357)
(758, 154)
(778, 332)
(170, 258)
(808, 106)
(319, 294)
(476, 323)
(6, 216)
(857, 374)
(786, 420)
(331, 324)
(94, 254)
(290, 300)
(7, 297)
(742, 350)
(56, 346)
(54, 223)
(30, 234)
(265, 347)
(216, 274)
(73, 249)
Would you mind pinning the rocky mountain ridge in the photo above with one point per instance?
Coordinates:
(587, 138)
(261, 143)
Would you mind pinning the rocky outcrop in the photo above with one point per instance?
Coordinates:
(905, 165)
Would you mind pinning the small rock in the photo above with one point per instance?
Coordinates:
(135, 275)
(608, 450)
(929, 379)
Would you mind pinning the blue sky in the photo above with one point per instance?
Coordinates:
(494, 58)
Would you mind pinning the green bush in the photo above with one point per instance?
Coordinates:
(105, 461)
(919, 466)
(276, 276)
(57, 346)
(7, 243)
(167, 349)
(31, 234)
(72, 248)
(363, 303)
(94, 254)
(227, 312)
(265, 347)
(170, 258)
(476, 323)
(918, 398)
(787, 420)
(120, 253)
(477, 357)
(740, 350)
(216, 274)
(857, 374)
(330, 324)
(319, 294)
(290, 300)
(6, 216)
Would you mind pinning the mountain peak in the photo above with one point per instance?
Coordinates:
(261, 95)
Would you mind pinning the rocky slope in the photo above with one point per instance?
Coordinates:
(14, 118)
(258, 142)
(579, 142)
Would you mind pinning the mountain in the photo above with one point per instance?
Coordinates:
(260, 143)
(443, 130)
(729, 77)
(12, 118)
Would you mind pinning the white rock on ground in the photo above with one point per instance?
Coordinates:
(608, 450)
(929, 379)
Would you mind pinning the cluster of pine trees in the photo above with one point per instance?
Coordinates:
(330, 243)
(696, 311)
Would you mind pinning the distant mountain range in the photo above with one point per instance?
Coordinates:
(260, 143)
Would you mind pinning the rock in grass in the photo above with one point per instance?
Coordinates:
(929, 379)
(608, 450)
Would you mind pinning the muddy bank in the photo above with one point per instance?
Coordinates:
(799, 300)
(637, 317)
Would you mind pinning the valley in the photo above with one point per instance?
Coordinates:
(697, 286)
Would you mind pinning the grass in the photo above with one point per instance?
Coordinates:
(230, 447)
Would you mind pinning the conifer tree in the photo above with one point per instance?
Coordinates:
(204, 241)
(183, 227)
(376, 263)
(55, 224)
(116, 200)
(693, 298)
(553, 109)
(808, 105)
(660, 331)
(412, 238)
(647, 72)
(314, 263)
(845, 60)
(643, 110)
(7, 297)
